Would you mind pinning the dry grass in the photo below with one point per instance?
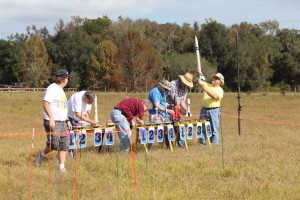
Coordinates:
(261, 163)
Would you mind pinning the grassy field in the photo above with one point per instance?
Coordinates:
(261, 163)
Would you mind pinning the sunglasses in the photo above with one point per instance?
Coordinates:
(217, 78)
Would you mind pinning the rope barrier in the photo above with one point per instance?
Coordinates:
(120, 131)
(262, 121)
(132, 152)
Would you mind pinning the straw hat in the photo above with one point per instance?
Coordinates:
(221, 77)
(165, 84)
(187, 79)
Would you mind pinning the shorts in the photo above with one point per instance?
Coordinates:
(57, 139)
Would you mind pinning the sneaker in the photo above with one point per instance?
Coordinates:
(62, 170)
(180, 144)
(39, 159)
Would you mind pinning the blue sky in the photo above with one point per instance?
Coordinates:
(16, 15)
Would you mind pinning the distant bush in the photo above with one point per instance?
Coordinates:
(283, 88)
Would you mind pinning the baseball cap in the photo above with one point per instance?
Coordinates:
(62, 73)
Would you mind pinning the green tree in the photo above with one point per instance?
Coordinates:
(36, 67)
(10, 58)
(270, 27)
(217, 46)
(187, 62)
(105, 68)
(7, 62)
(254, 57)
(74, 80)
(286, 63)
(120, 28)
(72, 49)
(98, 28)
(33, 30)
(256, 53)
(166, 62)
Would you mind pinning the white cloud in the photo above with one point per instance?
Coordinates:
(15, 15)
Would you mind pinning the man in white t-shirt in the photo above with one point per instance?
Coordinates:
(56, 120)
(79, 106)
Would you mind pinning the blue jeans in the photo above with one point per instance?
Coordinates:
(213, 116)
(73, 121)
(123, 128)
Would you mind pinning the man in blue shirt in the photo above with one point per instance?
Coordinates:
(159, 112)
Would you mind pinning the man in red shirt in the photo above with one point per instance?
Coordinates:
(122, 115)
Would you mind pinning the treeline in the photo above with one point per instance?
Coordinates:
(135, 54)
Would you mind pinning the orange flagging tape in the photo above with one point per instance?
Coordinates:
(261, 121)
(120, 131)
